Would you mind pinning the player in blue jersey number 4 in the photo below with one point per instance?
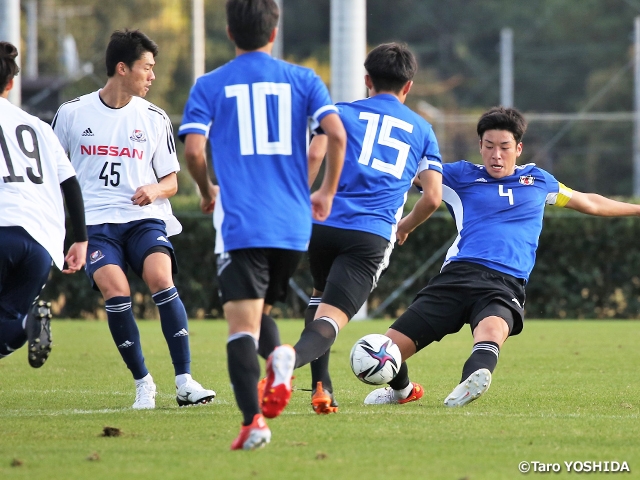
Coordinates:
(498, 208)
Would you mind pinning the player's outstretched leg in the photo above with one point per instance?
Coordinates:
(470, 389)
(255, 435)
(476, 374)
(38, 328)
(277, 390)
(400, 390)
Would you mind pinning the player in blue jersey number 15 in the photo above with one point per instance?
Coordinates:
(388, 145)
(498, 208)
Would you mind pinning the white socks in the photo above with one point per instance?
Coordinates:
(146, 379)
(405, 392)
(182, 379)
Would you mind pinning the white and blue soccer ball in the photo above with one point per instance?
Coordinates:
(375, 359)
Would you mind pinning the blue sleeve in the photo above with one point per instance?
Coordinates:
(451, 173)
(319, 101)
(432, 152)
(553, 186)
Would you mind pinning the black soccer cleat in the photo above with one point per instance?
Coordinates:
(39, 333)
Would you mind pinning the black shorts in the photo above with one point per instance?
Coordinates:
(251, 273)
(463, 293)
(346, 265)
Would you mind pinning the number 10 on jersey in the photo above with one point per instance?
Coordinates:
(259, 121)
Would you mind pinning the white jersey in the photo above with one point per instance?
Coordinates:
(32, 167)
(115, 151)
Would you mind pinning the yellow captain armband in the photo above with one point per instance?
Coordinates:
(561, 198)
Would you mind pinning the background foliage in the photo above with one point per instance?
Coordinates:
(587, 267)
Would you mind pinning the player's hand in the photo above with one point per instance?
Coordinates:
(402, 232)
(76, 257)
(146, 194)
(321, 203)
(208, 201)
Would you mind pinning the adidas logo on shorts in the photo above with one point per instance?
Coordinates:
(87, 133)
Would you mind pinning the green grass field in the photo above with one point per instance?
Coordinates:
(562, 391)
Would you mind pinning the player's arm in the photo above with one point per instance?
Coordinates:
(594, 204)
(77, 253)
(194, 152)
(166, 187)
(431, 183)
(322, 199)
(317, 151)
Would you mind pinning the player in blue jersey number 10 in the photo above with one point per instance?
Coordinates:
(498, 208)
(255, 112)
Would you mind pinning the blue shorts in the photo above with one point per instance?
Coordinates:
(126, 244)
(24, 269)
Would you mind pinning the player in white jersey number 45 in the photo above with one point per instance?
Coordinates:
(123, 149)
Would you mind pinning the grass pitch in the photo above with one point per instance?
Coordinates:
(562, 392)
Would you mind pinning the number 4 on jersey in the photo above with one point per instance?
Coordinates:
(508, 193)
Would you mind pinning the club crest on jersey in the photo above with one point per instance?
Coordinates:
(95, 256)
(138, 136)
(527, 179)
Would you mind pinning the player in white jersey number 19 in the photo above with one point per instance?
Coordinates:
(34, 170)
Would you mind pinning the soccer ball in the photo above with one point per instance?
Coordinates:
(375, 359)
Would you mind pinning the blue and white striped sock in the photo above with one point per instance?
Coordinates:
(175, 327)
(126, 335)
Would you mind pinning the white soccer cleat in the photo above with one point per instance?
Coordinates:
(469, 390)
(381, 396)
(145, 396)
(192, 393)
(388, 396)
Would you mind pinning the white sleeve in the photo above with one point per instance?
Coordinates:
(65, 169)
(165, 160)
(59, 128)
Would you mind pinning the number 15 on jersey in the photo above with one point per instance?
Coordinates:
(384, 138)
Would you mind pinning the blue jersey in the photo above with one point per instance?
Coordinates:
(386, 143)
(499, 220)
(255, 110)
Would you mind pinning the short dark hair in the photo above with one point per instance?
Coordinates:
(390, 66)
(251, 22)
(500, 118)
(8, 66)
(127, 46)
